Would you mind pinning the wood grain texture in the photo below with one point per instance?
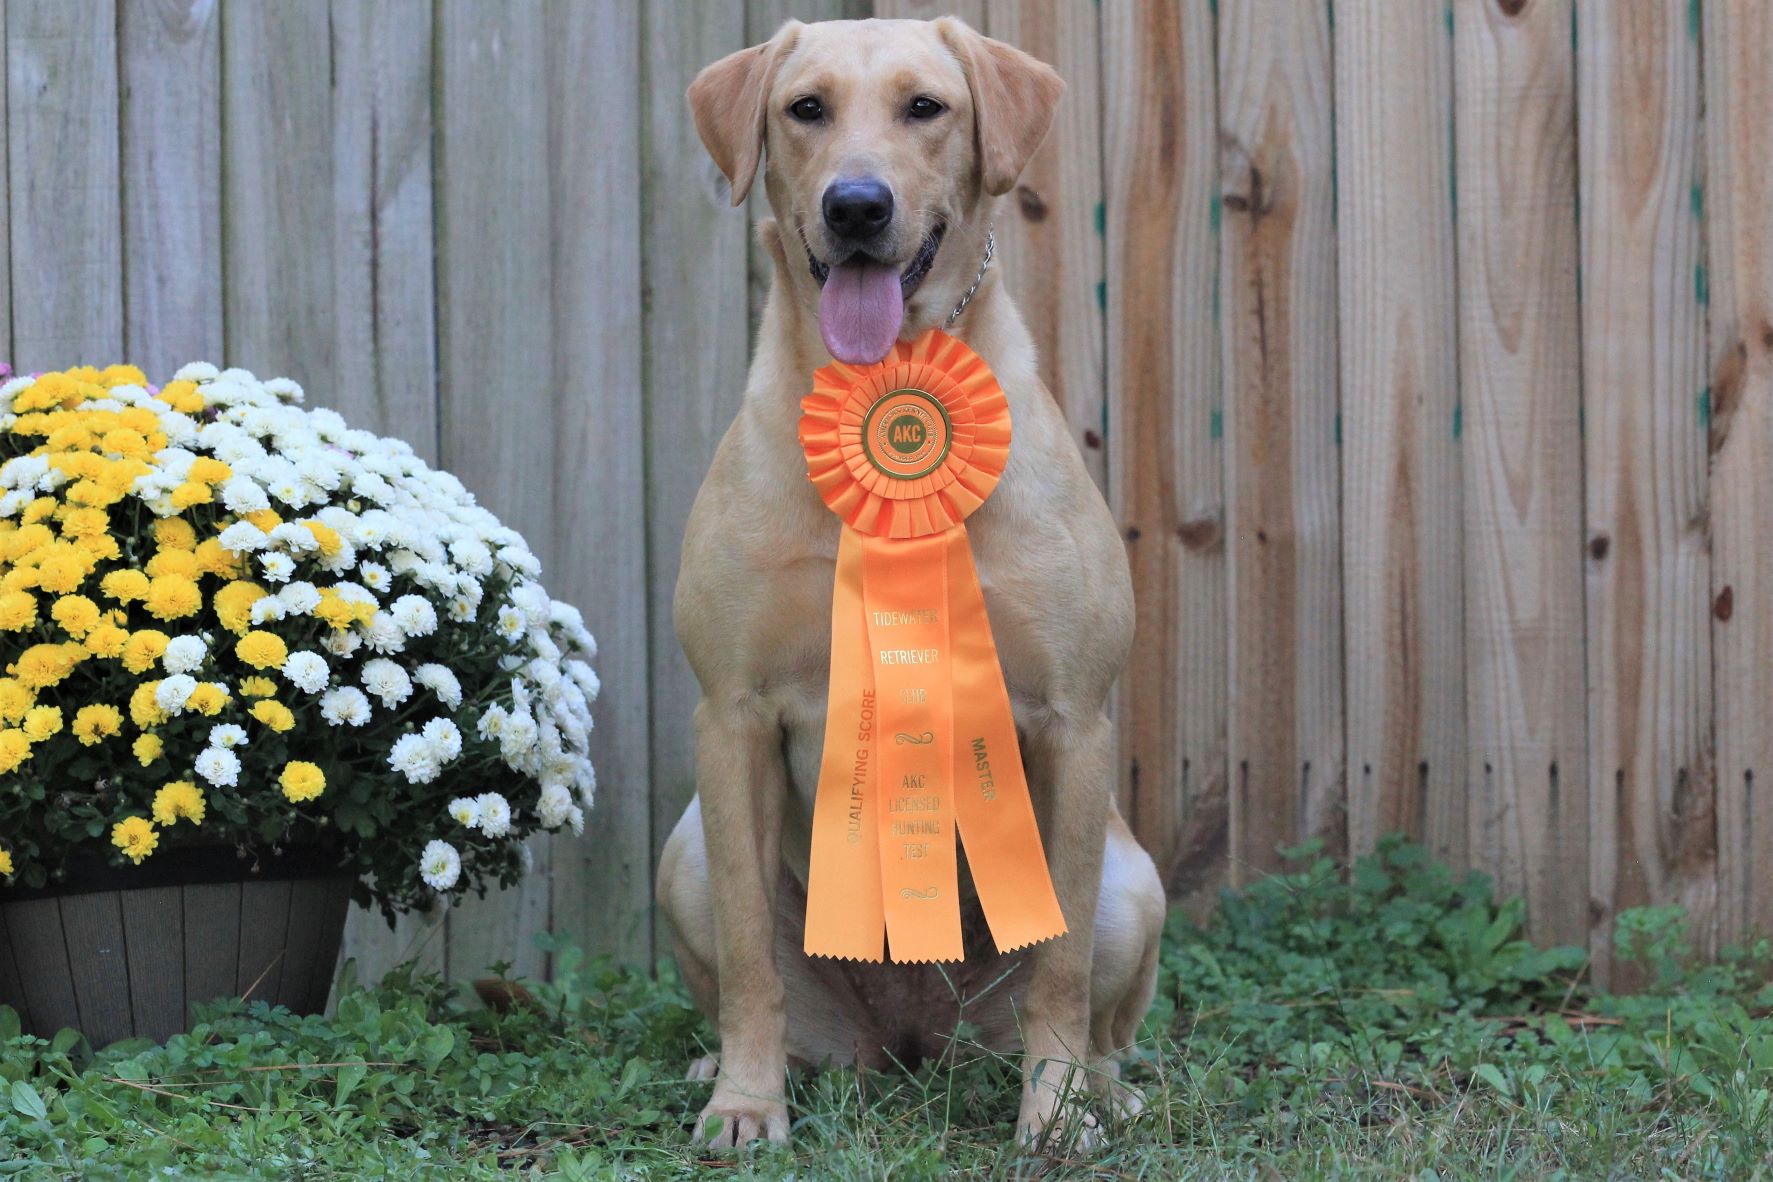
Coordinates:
(97, 956)
(694, 247)
(1278, 282)
(1402, 561)
(40, 956)
(264, 928)
(65, 217)
(495, 344)
(602, 887)
(1520, 375)
(970, 11)
(212, 941)
(1653, 828)
(1049, 235)
(169, 52)
(154, 919)
(1738, 42)
(1165, 442)
(384, 280)
(278, 247)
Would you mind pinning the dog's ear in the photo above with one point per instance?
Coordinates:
(730, 100)
(1014, 97)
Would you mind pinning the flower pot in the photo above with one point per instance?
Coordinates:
(124, 952)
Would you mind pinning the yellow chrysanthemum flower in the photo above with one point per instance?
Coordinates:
(325, 536)
(262, 650)
(190, 493)
(335, 609)
(64, 568)
(39, 509)
(180, 800)
(182, 396)
(125, 586)
(265, 519)
(15, 699)
(78, 614)
(96, 723)
(144, 711)
(122, 375)
(25, 542)
(41, 722)
(208, 470)
(301, 781)
(6, 863)
(173, 562)
(102, 548)
(136, 837)
(143, 649)
(175, 533)
(275, 715)
(257, 687)
(44, 665)
(107, 640)
(233, 605)
(125, 442)
(173, 597)
(85, 523)
(18, 611)
(214, 559)
(147, 748)
(208, 698)
(15, 748)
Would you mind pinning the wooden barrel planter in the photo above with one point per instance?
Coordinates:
(124, 952)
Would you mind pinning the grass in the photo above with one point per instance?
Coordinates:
(1388, 1023)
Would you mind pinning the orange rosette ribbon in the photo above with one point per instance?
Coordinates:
(920, 745)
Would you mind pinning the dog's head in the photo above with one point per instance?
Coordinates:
(883, 145)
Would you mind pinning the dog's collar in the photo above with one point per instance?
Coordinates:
(984, 265)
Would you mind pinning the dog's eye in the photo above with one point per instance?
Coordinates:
(807, 110)
(924, 107)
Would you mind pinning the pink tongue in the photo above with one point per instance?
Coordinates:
(860, 311)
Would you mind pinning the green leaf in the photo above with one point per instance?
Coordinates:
(1489, 1074)
(350, 1075)
(26, 1101)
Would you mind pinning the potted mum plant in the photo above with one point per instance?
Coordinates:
(253, 663)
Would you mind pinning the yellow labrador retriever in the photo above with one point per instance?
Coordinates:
(884, 146)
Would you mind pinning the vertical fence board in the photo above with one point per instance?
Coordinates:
(6, 354)
(494, 284)
(693, 244)
(602, 884)
(385, 284)
(1653, 830)
(1739, 211)
(970, 11)
(1402, 562)
(66, 222)
(1520, 385)
(170, 115)
(1166, 461)
(277, 191)
(1278, 276)
(1048, 234)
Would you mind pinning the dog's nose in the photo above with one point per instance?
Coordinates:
(858, 207)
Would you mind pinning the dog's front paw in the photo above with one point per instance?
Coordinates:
(1057, 1122)
(731, 1120)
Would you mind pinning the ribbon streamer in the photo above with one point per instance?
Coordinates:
(903, 451)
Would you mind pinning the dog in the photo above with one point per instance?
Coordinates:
(884, 145)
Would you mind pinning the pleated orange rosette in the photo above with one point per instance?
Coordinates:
(920, 745)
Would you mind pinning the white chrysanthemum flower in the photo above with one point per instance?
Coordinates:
(387, 681)
(576, 821)
(445, 738)
(299, 598)
(440, 865)
(510, 624)
(341, 643)
(294, 538)
(306, 671)
(197, 371)
(375, 576)
(284, 389)
(495, 814)
(243, 537)
(466, 811)
(440, 681)
(242, 495)
(219, 767)
(346, 704)
(461, 609)
(518, 736)
(277, 567)
(184, 654)
(227, 736)
(383, 635)
(414, 614)
(268, 608)
(552, 809)
(414, 757)
(172, 694)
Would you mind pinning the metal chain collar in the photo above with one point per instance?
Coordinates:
(984, 265)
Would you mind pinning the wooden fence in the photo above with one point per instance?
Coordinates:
(1424, 352)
